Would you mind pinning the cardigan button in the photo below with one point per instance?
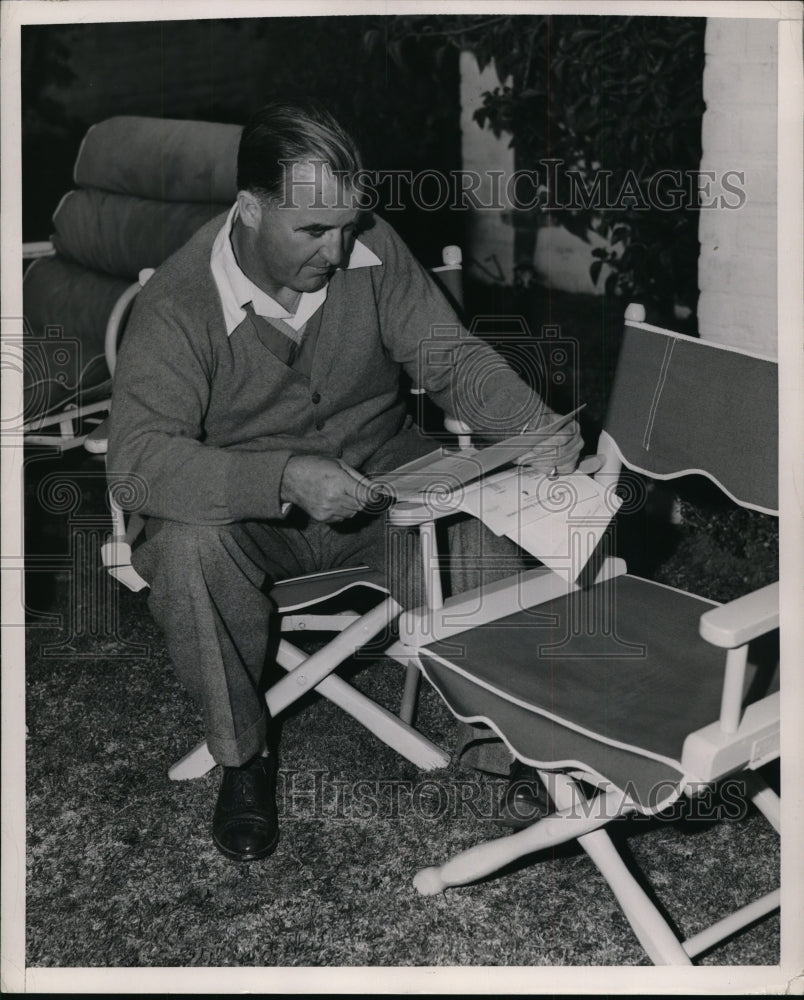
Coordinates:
(316, 398)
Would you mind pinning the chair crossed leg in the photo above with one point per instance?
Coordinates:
(315, 672)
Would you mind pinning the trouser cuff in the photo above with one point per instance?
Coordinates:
(234, 752)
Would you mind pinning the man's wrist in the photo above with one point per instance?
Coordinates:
(286, 496)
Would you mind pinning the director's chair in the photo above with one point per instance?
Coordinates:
(642, 691)
(296, 600)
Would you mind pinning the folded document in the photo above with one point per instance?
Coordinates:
(558, 520)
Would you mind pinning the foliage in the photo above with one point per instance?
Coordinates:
(76, 74)
(44, 65)
(620, 95)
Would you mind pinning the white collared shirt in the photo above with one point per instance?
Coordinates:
(236, 290)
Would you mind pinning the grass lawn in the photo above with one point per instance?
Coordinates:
(121, 868)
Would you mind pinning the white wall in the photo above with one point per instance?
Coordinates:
(737, 264)
(561, 260)
(490, 240)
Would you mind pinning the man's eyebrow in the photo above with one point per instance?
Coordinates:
(313, 225)
(322, 228)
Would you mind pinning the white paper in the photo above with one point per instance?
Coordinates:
(559, 521)
(442, 471)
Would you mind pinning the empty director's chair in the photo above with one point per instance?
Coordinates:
(645, 692)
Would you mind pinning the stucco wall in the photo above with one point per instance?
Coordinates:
(737, 264)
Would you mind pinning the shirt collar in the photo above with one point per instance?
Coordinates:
(236, 290)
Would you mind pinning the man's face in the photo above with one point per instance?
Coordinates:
(298, 242)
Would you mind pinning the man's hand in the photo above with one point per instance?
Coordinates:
(558, 451)
(328, 490)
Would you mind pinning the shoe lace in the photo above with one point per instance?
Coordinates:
(244, 785)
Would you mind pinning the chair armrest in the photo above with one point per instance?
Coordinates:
(743, 619)
(40, 248)
(97, 441)
(455, 426)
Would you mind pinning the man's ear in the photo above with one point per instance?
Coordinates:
(249, 209)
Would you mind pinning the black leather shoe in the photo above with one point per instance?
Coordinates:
(245, 825)
(525, 799)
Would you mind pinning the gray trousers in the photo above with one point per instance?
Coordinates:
(209, 595)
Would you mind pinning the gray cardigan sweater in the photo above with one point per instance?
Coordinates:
(208, 421)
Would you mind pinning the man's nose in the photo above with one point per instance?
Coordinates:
(332, 249)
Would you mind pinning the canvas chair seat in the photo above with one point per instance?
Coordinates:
(300, 592)
(621, 718)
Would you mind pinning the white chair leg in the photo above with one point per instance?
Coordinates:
(408, 706)
(734, 922)
(484, 859)
(194, 764)
(386, 726)
(652, 930)
(313, 669)
(764, 798)
(394, 732)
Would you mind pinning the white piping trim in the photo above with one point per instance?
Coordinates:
(64, 197)
(657, 394)
(283, 608)
(676, 590)
(80, 151)
(323, 574)
(665, 476)
(635, 324)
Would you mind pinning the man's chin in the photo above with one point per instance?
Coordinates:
(313, 282)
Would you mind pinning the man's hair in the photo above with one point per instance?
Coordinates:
(291, 131)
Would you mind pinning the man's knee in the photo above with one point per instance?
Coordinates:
(173, 550)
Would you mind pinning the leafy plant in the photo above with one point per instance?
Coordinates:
(613, 99)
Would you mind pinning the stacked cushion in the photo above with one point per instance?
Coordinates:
(144, 186)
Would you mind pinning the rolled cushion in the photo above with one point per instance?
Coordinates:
(66, 307)
(121, 234)
(161, 158)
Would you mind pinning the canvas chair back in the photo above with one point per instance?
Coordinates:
(681, 405)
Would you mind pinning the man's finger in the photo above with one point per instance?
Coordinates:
(354, 474)
(358, 487)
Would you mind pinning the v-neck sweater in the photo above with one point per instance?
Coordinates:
(204, 423)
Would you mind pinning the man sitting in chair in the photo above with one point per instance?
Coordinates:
(258, 384)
